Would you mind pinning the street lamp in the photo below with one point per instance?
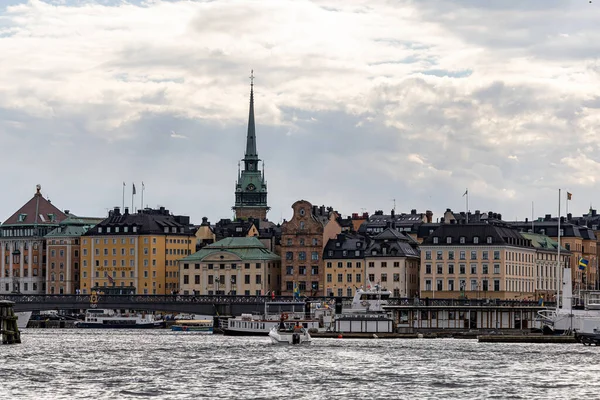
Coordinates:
(217, 282)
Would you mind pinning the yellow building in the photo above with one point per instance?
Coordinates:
(136, 250)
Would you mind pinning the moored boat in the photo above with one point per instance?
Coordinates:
(195, 325)
(367, 313)
(109, 319)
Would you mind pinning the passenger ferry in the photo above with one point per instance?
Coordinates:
(109, 319)
(194, 325)
(260, 325)
(367, 313)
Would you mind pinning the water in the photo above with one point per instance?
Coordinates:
(66, 364)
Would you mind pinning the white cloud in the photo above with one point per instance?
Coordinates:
(433, 96)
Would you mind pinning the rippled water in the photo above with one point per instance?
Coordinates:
(65, 364)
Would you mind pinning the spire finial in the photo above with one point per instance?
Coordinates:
(251, 77)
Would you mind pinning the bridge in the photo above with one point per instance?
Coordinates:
(221, 304)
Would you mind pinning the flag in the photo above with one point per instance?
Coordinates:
(296, 290)
(569, 195)
(110, 279)
(133, 188)
(466, 193)
(583, 263)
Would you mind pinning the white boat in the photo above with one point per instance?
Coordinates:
(281, 334)
(366, 313)
(261, 325)
(109, 319)
(23, 318)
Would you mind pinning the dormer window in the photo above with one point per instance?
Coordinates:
(238, 229)
(358, 245)
(449, 239)
(51, 217)
(22, 217)
(476, 239)
(462, 240)
(166, 229)
(330, 253)
(430, 231)
(435, 240)
(374, 252)
(99, 229)
(489, 239)
(337, 244)
(174, 229)
(126, 229)
(116, 229)
(344, 253)
(108, 229)
(134, 229)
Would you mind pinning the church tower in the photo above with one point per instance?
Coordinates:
(251, 187)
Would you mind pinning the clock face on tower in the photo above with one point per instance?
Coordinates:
(251, 167)
(250, 187)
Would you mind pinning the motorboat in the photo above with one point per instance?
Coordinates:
(282, 334)
(194, 325)
(23, 318)
(110, 319)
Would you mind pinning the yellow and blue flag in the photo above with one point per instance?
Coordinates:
(296, 290)
(583, 263)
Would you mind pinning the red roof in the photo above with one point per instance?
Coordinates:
(38, 210)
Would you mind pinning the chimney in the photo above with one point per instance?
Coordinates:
(117, 211)
(393, 213)
(205, 221)
(366, 215)
(477, 212)
(526, 219)
(354, 215)
(413, 211)
(500, 217)
(429, 216)
(569, 216)
(547, 217)
(126, 210)
(593, 212)
(441, 220)
(562, 220)
(67, 212)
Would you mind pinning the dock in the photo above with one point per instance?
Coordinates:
(550, 339)
(364, 335)
(8, 323)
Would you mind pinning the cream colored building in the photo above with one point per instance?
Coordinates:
(231, 266)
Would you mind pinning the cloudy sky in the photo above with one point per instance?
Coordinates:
(357, 103)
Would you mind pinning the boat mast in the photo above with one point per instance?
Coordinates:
(558, 264)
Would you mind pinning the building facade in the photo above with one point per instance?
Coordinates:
(138, 250)
(231, 266)
(251, 187)
(303, 239)
(392, 261)
(344, 265)
(23, 247)
(63, 248)
(477, 261)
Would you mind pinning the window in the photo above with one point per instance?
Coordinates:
(473, 255)
(258, 279)
(383, 264)
(489, 239)
(371, 264)
(462, 240)
(302, 225)
(349, 278)
(289, 255)
(473, 269)
(428, 284)
(462, 269)
(484, 255)
(358, 278)
(449, 239)
(496, 254)
(314, 256)
(329, 278)
(439, 255)
(289, 286)
(396, 277)
(451, 285)
(302, 270)
(496, 268)
(186, 280)
(476, 240)
(440, 269)
(496, 285)
(314, 270)
(439, 285)
(247, 279)
(302, 256)
(302, 212)
(463, 255)
(329, 264)
(340, 278)
(383, 277)
(451, 255)
(289, 270)
(289, 242)
(301, 242)
(428, 255)
(485, 269)
(484, 285)
(435, 241)
(372, 277)
(473, 284)
(396, 264)
(451, 269)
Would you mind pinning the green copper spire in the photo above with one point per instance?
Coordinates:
(251, 138)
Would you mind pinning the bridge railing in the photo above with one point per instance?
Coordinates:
(84, 300)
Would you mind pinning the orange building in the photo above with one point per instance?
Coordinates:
(138, 250)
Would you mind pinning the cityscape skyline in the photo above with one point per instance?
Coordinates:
(416, 114)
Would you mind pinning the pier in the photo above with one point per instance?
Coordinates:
(8, 323)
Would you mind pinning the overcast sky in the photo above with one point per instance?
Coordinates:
(357, 103)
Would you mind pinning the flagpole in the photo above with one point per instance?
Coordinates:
(558, 264)
(142, 202)
(532, 229)
(132, 194)
(467, 205)
(123, 209)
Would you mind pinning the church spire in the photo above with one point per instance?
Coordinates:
(251, 138)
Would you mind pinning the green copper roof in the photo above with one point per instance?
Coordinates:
(542, 242)
(247, 248)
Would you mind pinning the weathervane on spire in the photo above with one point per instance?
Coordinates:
(252, 77)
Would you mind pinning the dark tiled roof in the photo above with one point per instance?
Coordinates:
(147, 221)
(550, 228)
(226, 228)
(345, 242)
(38, 210)
(395, 243)
(501, 235)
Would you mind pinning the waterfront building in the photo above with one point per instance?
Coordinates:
(392, 260)
(477, 260)
(579, 240)
(545, 264)
(407, 223)
(303, 239)
(204, 234)
(23, 247)
(251, 186)
(63, 251)
(344, 264)
(138, 250)
(592, 221)
(231, 266)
